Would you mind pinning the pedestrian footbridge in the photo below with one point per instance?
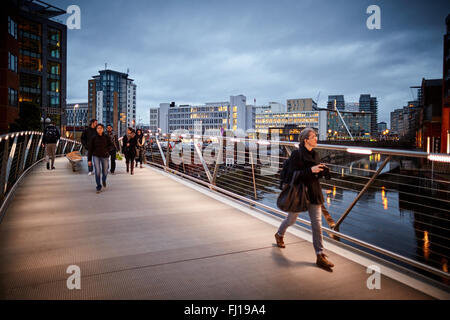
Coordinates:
(160, 235)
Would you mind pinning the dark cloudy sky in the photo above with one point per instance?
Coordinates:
(192, 51)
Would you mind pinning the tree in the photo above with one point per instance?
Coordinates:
(29, 118)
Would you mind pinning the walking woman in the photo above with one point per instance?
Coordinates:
(140, 140)
(129, 148)
(99, 148)
(306, 161)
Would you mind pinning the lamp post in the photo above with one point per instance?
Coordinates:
(73, 120)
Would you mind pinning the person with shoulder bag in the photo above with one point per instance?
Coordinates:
(129, 149)
(301, 174)
(140, 141)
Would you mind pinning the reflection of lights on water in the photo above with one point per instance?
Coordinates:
(334, 192)
(328, 191)
(444, 265)
(384, 199)
(342, 172)
(426, 245)
(328, 200)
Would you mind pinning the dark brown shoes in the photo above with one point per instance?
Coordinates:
(280, 242)
(323, 262)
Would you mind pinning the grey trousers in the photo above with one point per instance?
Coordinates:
(50, 152)
(315, 214)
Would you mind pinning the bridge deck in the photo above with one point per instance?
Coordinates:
(149, 237)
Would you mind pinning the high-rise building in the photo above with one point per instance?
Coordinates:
(405, 122)
(352, 106)
(370, 104)
(305, 104)
(430, 124)
(112, 100)
(154, 119)
(337, 101)
(33, 64)
(445, 129)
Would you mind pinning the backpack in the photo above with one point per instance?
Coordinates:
(51, 134)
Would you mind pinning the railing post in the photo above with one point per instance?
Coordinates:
(27, 142)
(65, 145)
(161, 151)
(73, 146)
(253, 174)
(197, 147)
(3, 177)
(219, 160)
(361, 193)
(38, 148)
(10, 159)
(167, 153)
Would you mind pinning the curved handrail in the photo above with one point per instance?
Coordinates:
(19, 152)
(163, 161)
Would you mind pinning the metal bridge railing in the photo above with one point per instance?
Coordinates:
(392, 203)
(19, 152)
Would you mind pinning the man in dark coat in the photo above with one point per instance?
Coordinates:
(114, 148)
(86, 137)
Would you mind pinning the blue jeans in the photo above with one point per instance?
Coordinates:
(101, 166)
(315, 215)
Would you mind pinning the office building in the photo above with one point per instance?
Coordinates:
(217, 116)
(33, 64)
(445, 120)
(336, 101)
(112, 100)
(306, 104)
(370, 104)
(77, 117)
(358, 123)
(430, 124)
(300, 119)
(154, 119)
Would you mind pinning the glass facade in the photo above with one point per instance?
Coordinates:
(30, 49)
(210, 116)
(53, 84)
(264, 121)
(358, 123)
(54, 43)
(30, 88)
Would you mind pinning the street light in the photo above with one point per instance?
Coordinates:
(73, 120)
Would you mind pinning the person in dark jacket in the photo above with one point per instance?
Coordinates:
(49, 141)
(140, 140)
(307, 163)
(129, 148)
(99, 148)
(86, 136)
(115, 147)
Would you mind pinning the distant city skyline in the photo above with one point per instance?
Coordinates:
(207, 50)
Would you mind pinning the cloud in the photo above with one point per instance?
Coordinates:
(199, 51)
